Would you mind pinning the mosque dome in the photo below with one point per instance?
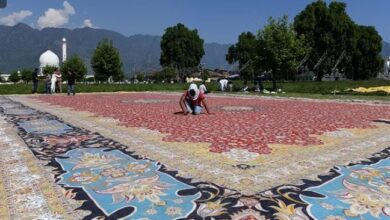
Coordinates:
(49, 58)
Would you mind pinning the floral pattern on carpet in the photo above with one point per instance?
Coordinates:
(94, 170)
(259, 124)
(115, 181)
(360, 192)
(44, 126)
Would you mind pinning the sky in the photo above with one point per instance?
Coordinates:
(219, 21)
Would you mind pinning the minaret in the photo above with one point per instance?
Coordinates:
(63, 49)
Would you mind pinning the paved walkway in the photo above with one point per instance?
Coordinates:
(134, 156)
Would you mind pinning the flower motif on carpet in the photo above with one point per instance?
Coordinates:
(151, 101)
(4, 100)
(58, 140)
(10, 105)
(237, 108)
(45, 126)
(212, 209)
(241, 155)
(238, 123)
(248, 214)
(115, 181)
(360, 192)
(339, 134)
(19, 111)
(288, 212)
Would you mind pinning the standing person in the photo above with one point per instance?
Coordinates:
(260, 80)
(223, 83)
(71, 82)
(202, 88)
(59, 81)
(48, 83)
(35, 80)
(192, 100)
(53, 83)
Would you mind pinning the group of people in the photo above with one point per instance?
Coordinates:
(53, 82)
(193, 101)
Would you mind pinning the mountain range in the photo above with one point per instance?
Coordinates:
(386, 49)
(21, 46)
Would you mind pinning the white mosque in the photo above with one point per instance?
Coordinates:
(386, 73)
(49, 58)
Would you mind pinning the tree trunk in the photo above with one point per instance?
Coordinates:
(273, 84)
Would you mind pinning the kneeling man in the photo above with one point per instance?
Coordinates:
(193, 100)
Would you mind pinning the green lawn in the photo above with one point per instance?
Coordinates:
(320, 87)
(307, 89)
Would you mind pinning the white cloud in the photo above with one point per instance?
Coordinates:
(56, 17)
(88, 23)
(15, 18)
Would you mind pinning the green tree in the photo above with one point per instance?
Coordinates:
(366, 61)
(166, 74)
(279, 49)
(243, 53)
(181, 49)
(169, 73)
(314, 23)
(75, 65)
(14, 77)
(205, 74)
(49, 69)
(106, 62)
(26, 75)
(330, 33)
(90, 79)
(140, 77)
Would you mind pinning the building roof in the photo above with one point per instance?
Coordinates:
(49, 58)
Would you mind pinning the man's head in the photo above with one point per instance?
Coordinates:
(193, 91)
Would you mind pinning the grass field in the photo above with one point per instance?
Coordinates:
(292, 89)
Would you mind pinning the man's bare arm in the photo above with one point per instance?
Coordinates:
(206, 106)
(182, 105)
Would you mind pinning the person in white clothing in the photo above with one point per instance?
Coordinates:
(223, 84)
(53, 83)
(203, 88)
(58, 80)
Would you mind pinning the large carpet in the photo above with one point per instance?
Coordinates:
(135, 156)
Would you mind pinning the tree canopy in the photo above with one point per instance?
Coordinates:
(279, 49)
(275, 49)
(365, 59)
(14, 77)
(26, 75)
(49, 69)
(106, 62)
(75, 65)
(243, 53)
(323, 39)
(335, 39)
(166, 74)
(181, 49)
